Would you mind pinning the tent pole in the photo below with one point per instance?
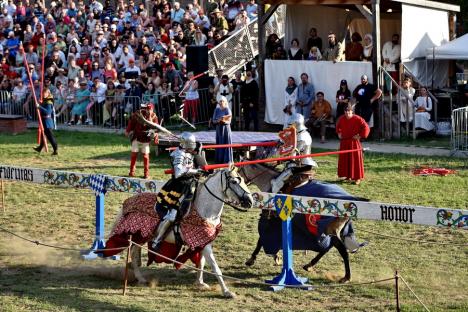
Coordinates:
(433, 61)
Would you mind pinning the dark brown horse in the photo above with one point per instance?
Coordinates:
(331, 232)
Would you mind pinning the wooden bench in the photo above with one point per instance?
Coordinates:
(12, 124)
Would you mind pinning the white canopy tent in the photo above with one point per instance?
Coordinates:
(454, 50)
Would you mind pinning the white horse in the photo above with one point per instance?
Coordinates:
(223, 186)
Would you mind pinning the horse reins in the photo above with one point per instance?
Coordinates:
(250, 180)
(224, 192)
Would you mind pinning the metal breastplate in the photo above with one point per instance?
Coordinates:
(181, 161)
(304, 146)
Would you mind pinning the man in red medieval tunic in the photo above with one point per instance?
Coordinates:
(350, 129)
(140, 136)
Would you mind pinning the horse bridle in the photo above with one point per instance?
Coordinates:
(224, 192)
(248, 180)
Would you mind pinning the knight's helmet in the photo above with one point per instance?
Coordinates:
(188, 141)
(298, 122)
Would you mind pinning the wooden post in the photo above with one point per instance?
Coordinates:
(3, 194)
(397, 292)
(126, 266)
(377, 58)
(376, 61)
(261, 54)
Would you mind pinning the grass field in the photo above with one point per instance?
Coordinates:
(41, 279)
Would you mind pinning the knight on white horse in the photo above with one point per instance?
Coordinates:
(177, 194)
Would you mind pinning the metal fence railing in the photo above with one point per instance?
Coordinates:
(242, 46)
(115, 111)
(459, 137)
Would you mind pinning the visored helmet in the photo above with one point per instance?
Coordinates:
(188, 141)
(298, 122)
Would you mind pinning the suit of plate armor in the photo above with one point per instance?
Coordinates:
(177, 194)
(303, 147)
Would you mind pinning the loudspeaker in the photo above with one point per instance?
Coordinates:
(197, 59)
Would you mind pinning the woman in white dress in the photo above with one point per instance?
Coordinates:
(290, 97)
(423, 106)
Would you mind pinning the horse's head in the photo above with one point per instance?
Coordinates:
(234, 188)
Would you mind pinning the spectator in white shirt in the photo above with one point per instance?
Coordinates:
(391, 58)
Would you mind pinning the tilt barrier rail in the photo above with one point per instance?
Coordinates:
(285, 205)
(99, 183)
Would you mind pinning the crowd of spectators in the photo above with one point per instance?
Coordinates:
(357, 49)
(97, 53)
(318, 114)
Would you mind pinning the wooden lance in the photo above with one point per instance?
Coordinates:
(40, 129)
(268, 160)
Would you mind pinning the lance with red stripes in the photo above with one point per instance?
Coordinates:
(40, 128)
(234, 145)
(268, 160)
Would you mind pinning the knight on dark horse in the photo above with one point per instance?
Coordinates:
(177, 194)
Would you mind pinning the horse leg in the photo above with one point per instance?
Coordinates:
(338, 244)
(253, 257)
(199, 282)
(136, 264)
(314, 261)
(208, 254)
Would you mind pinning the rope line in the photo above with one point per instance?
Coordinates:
(38, 243)
(414, 294)
(412, 240)
(260, 283)
(321, 286)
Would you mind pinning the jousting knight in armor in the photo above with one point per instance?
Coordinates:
(303, 147)
(177, 194)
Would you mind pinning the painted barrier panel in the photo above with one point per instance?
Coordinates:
(398, 213)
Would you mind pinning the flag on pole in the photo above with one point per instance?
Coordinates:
(98, 184)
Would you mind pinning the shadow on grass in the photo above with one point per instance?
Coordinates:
(60, 288)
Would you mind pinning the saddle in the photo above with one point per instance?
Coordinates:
(294, 181)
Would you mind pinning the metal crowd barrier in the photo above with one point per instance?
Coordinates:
(241, 46)
(115, 111)
(459, 137)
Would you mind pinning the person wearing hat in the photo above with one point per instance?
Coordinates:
(343, 95)
(333, 52)
(301, 166)
(82, 98)
(12, 43)
(350, 129)
(46, 110)
(137, 131)
(220, 22)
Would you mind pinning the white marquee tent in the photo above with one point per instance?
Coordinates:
(453, 50)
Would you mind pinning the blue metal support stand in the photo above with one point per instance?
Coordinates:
(287, 276)
(99, 242)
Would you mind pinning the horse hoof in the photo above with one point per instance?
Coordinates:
(203, 286)
(344, 280)
(229, 294)
(250, 262)
(277, 260)
(307, 267)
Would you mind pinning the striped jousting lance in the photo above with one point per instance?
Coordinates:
(268, 160)
(40, 129)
